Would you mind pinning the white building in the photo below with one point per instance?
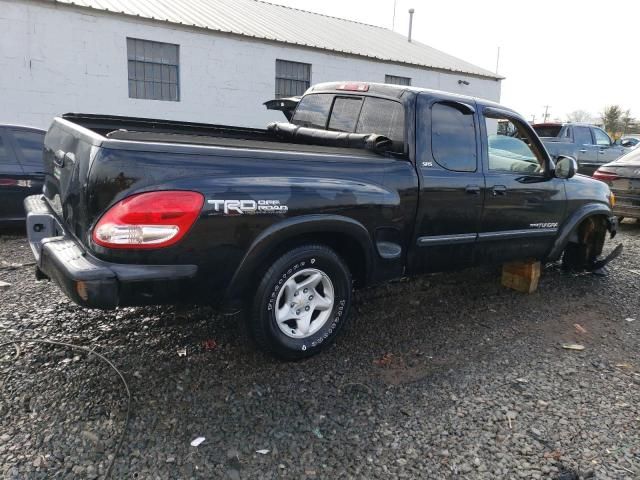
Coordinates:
(213, 61)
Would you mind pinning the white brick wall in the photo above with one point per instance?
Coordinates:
(56, 59)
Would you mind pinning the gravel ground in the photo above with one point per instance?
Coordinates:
(445, 376)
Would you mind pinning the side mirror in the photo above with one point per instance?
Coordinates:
(566, 167)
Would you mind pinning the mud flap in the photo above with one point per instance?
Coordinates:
(598, 266)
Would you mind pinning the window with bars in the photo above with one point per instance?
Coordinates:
(395, 80)
(292, 78)
(153, 70)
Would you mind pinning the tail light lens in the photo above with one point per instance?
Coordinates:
(148, 220)
(604, 175)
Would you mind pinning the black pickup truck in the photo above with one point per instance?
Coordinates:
(367, 183)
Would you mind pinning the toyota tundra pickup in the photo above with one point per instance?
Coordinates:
(367, 183)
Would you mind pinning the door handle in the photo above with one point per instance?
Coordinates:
(472, 189)
(584, 150)
(499, 190)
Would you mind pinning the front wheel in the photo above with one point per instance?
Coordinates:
(301, 303)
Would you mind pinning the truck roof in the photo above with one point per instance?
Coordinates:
(390, 90)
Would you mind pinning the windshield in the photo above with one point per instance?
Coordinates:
(547, 130)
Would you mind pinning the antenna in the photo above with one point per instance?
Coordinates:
(498, 60)
(393, 23)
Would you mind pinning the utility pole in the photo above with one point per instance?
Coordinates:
(533, 118)
(546, 113)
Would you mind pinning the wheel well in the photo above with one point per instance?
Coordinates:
(592, 228)
(586, 242)
(349, 250)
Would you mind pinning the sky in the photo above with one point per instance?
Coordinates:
(567, 54)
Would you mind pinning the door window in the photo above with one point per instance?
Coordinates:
(29, 146)
(583, 136)
(511, 147)
(602, 139)
(453, 137)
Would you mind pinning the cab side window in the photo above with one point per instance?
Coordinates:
(511, 148)
(453, 138)
(583, 136)
(602, 139)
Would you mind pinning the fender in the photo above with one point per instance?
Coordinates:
(274, 235)
(571, 223)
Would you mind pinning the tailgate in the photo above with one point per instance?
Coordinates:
(68, 153)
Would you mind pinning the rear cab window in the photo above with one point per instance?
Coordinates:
(352, 114)
(547, 131)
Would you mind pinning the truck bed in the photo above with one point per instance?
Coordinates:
(187, 133)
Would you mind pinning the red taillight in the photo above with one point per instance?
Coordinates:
(353, 87)
(604, 175)
(148, 220)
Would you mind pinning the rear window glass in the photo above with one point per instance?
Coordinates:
(384, 117)
(29, 145)
(547, 130)
(344, 114)
(313, 111)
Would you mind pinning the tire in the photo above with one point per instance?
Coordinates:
(302, 303)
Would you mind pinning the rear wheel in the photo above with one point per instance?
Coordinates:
(302, 302)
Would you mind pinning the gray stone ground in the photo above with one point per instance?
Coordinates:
(445, 376)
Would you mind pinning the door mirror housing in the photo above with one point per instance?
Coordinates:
(566, 167)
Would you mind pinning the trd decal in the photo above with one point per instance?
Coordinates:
(247, 207)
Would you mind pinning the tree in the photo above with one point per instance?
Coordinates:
(626, 121)
(579, 116)
(612, 119)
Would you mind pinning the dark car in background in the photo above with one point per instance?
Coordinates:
(623, 178)
(21, 170)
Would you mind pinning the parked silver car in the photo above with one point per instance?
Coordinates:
(623, 178)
